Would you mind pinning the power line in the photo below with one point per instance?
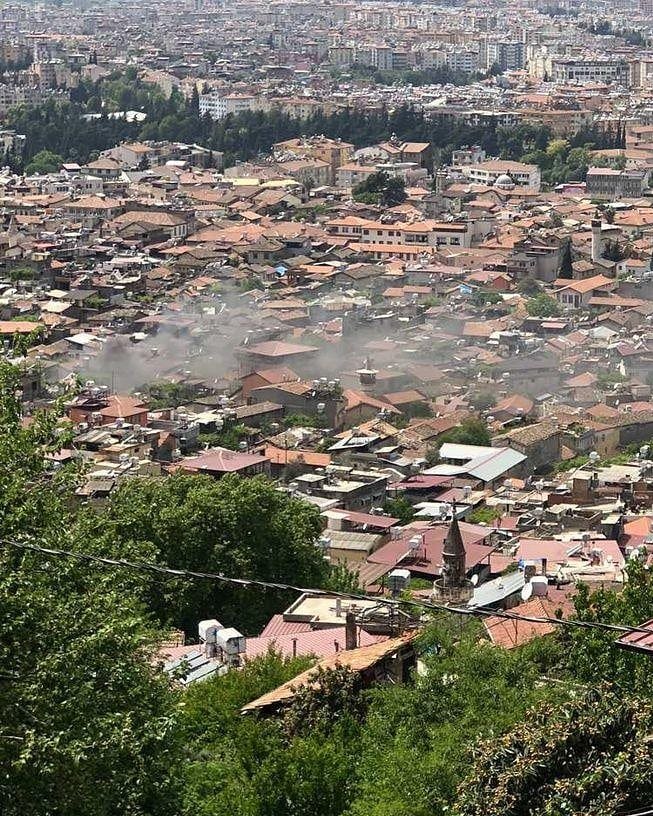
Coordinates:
(276, 585)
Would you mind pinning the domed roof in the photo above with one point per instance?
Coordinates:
(504, 181)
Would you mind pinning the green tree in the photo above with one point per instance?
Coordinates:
(334, 694)
(242, 527)
(486, 297)
(229, 437)
(471, 431)
(566, 264)
(22, 273)
(543, 305)
(243, 766)
(45, 161)
(380, 188)
(529, 286)
(164, 394)
(482, 400)
(587, 755)
(417, 740)
(88, 725)
(400, 508)
(613, 251)
(591, 654)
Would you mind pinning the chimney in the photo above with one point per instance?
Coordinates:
(294, 647)
(350, 631)
(597, 241)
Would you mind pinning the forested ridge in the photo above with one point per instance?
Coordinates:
(65, 129)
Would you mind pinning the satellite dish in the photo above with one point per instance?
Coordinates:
(527, 591)
(474, 579)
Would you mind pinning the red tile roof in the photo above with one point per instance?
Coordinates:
(513, 633)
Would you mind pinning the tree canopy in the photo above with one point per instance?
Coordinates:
(88, 726)
(380, 188)
(242, 527)
(543, 305)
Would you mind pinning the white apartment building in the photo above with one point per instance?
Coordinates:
(488, 172)
(382, 57)
(218, 104)
(434, 58)
(466, 61)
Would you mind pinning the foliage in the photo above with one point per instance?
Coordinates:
(241, 766)
(570, 464)
(613, 251)
(416, 739)
(543, 305)
(412, 76)
(21, 343)
(587, 755)
(341, 578)
(380, 188)
(482, 400)
(95, 302)
(22, 273)
(61, 127)
(530, 287)
(392, 751)
(229, 437)
(163, 394)
(484, 515)
(88, 724)
(45, 161)
(566, 264)
(486, 297)
(607, 379)
(416, 410)
(303, 421)
(242, 527)
(471, 431)
(334, 695)
(400, 508)
(591, 653)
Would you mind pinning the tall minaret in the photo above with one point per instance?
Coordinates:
(597, 242)
(453, 555)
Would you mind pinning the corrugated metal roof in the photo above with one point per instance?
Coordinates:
(278, 626)
(356, 660)
(318, 642)
(493, 592)
(638, 641)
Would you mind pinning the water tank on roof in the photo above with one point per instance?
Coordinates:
(230, 641)
(398, 580)
(208, 629)
(540, 585)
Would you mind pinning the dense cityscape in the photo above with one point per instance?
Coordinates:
(326, 408)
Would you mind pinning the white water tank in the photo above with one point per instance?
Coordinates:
(230, 641)
(208, 629)
(540, 585)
